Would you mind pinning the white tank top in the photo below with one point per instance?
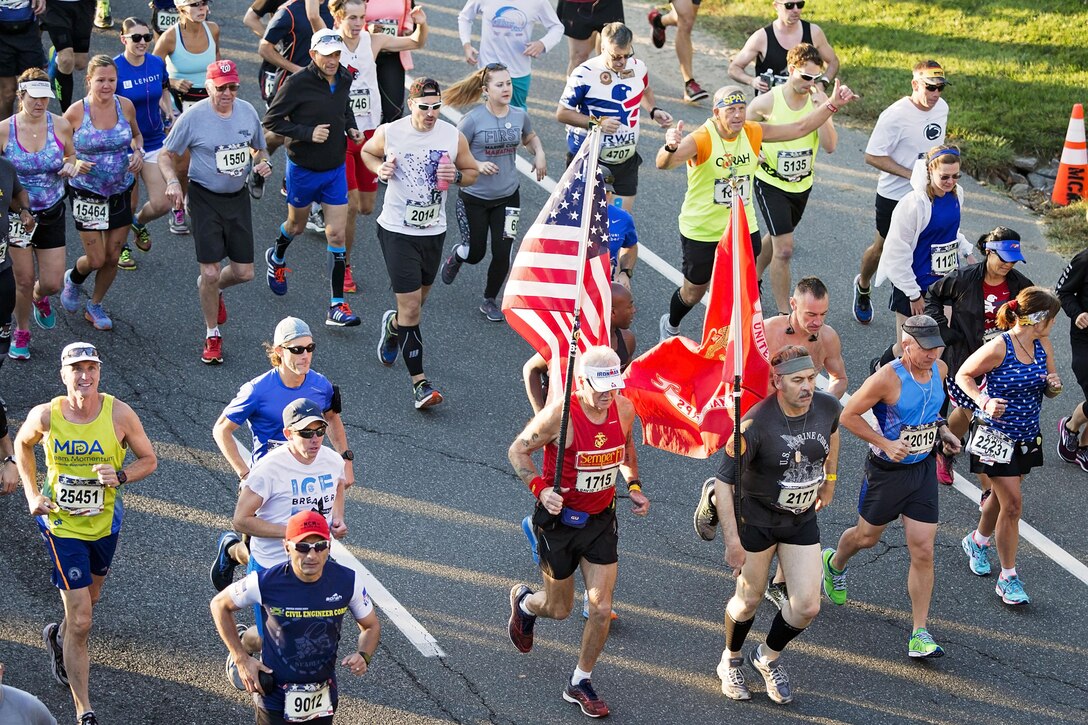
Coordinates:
(413, 204)
(365, 102)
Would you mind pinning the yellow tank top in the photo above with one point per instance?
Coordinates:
(85, 510)
(705, 212)
(790, 161)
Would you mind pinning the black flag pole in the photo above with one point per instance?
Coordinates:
(737, 208)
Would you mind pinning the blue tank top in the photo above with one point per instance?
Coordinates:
(142, 84)
(38, 171)
(918, 404)
(1022, 386)
(109, 149)
(944, 225)
(192, 67)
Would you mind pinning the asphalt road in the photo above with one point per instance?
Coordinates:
(435, 512)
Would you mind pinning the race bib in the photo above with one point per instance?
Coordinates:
(307, 702)
(165, 19)
(360, 101)
(421, 216)
(232, 159)
(270, 84)
(990, 444)
(187, 104)
(91, 213)
(17, 233)
(918, 438)
(943, 258)
(798, 497)
(3, 250)
(723, 191)
(594, 481)
(991, 334)
(80, 496)
(794, 165)
(510, 222)
(384, 26)
(617, 154)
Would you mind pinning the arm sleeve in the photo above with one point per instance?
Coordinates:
(1072, 283)
(246, 592)
(553, 28)
(464, 20)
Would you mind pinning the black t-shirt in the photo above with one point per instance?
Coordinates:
(781, 449)
(266, 7)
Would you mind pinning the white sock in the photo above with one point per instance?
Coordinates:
(524, 609)
(213, 332)
(462, 252)
(579, 675)
(980, 539)
(1008, 573)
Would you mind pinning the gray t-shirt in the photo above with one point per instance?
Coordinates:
(495, 139)
(221, 146)
(22, 708)
(781, 449)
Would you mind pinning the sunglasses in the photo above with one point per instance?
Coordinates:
(810, 78)
(949, 177)
(308, 433)
(232, 87)
(201, 4)
(931, 88)
(299, 349)
(429, 106)
(622, 56)
(78, 353)
(140, 37)
(303, 548)
(495, 66)
(799, 4)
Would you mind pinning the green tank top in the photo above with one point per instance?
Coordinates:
(85, 510)
(705, 212)
(788, 165)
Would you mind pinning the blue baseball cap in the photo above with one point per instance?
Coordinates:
(1007, 249)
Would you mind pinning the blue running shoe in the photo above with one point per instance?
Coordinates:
(340, 315)
(863, 304)
(977, 557)
(277, 273)
(97, 316)
(69, 296)
(1011, 590)
(527, 529)
(388, 346)
(222, 571)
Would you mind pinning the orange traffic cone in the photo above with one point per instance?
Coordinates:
(1073, 168)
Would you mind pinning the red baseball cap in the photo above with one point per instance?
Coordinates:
(221, 72)
(306, 523)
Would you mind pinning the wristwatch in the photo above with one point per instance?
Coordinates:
(9, 459)
(348, 455)
(629, 272)
(122, 478)
(457, 177)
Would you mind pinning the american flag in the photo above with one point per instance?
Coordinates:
(540, 293)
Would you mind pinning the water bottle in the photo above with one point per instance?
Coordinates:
(443, 185)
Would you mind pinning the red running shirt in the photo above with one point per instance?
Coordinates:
(591, 464)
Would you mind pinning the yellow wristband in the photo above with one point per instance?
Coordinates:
(634, 487)
(831, 477)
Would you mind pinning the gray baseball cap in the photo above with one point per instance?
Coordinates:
(924, 330)
(300, 412)
(290, 328)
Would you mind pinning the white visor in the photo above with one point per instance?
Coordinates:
(36, 89)
(604, 379)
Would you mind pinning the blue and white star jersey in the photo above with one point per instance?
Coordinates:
(595, 89)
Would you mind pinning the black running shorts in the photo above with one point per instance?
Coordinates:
(222, 225)
(698, 257)
(563, 548)
(69, 24)
(782, 210)
(755, 539)
(1025, 456)
(884, 209)
(412, 262)
(582, 19)
(891, 490)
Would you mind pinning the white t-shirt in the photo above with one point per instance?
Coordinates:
(905, 133)
(413, 204)
(287, 487)
(507, 28)
(366, 104)
(594, 89)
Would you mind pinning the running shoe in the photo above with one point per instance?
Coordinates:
(69, 296)
(141, 236)
(657, 29)
(277, 273)
(316, 221)
(222, 573)
(97, 316)
(977, 556)
(1082, 458)
(521, 624)
(693, 92)
(213, 350)
(945, 472)
(834, 581)
(922, 645)
(734, 683)
(863, 305)
(126, 261)
(103, 18)
(451, 267)
(283, 188)
(664, 333)
(178, 225)
(706, 515)
(221, 313)
(43, 314)
(777, 594)
(256, 185)
(982, 499)
(51, 70)
(585, 608)
(233, 677)
(340, 315)
(774, 675)
(56, 653)
(387, 346)
(1011, 590)
(586, 698)
(349, 281)
(20, 345)
(874, 365)
(425, 395)
(530, 534)
(88, 718)
(1068, 442)
(491, 310)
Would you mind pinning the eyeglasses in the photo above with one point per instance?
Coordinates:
(429, 106)
(309, 433)
(931, 88)
(799, 4)
(78, 353)
(140, 37)
(298, 349)
(810, 78)
(232, 87)
(303, 548)
(949, 177)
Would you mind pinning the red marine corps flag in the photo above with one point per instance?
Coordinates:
(682, 390)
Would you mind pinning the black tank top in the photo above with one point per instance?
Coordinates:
(775, 58)
(620, 346)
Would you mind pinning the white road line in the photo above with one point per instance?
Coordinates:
(409, 626)
(1027, 532)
